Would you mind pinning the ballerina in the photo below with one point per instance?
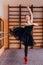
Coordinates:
(24, 34)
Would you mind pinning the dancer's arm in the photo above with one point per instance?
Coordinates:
(31, 21)
(30, 14)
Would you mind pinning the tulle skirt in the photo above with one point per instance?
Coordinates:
(24, 34)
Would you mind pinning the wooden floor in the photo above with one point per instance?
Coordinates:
(15, 57)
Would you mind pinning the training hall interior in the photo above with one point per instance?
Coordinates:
(12, 14)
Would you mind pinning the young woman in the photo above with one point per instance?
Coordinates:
(27, 36)
(24, 34)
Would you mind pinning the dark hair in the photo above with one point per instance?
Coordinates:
(28, 15)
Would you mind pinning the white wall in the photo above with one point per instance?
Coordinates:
(25, 2)
(22, 2)
(17, 2)
(1, 9)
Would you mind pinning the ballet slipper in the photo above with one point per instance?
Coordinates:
(25, 60)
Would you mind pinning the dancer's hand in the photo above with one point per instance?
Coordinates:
(28, 6)
(36, 24)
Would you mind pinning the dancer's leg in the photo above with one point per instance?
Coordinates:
(26, 52)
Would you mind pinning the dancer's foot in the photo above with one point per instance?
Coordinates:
(25, 60)
(10, 31)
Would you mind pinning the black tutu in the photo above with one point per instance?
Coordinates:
(24, 34)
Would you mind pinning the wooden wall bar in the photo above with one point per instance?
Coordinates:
(1, 30)
(16, 17)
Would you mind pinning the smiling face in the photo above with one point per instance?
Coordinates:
(27, 18)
